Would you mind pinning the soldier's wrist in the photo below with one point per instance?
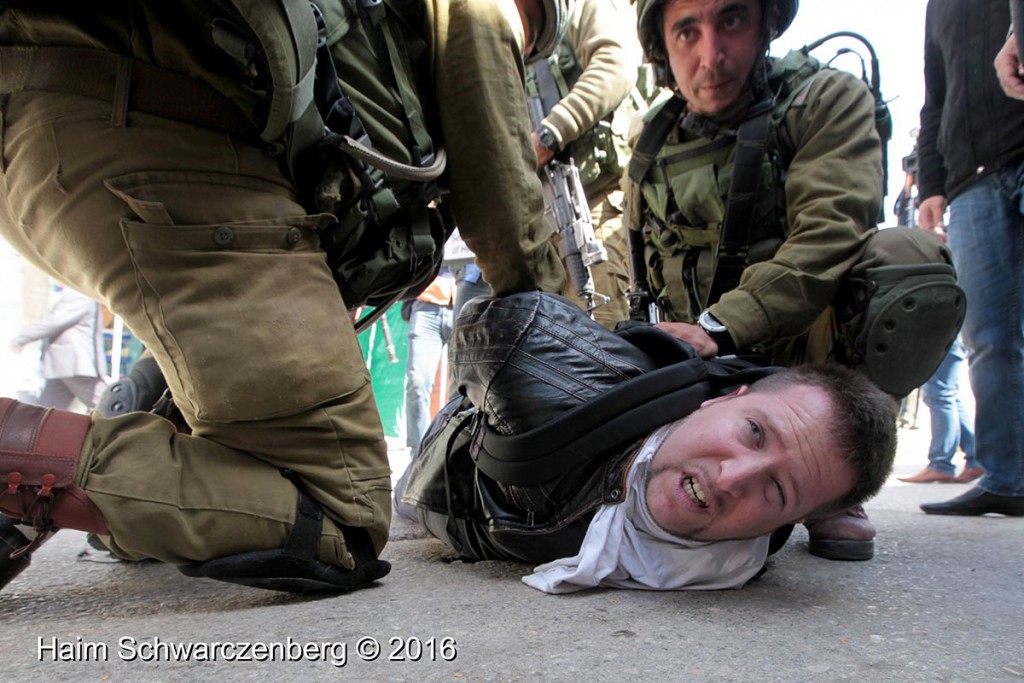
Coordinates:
(548, 139)
(718, 332)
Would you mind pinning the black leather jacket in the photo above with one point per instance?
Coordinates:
(969, 127)
(526, 359)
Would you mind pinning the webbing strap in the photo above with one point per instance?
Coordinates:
(303, 542)
(303, 26)
(652, 139)
(738, 222)
(304, 539)
(547, 87)
(401, 66)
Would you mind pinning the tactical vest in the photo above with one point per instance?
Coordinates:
(377, 174)
(602, 151)
(684, 193)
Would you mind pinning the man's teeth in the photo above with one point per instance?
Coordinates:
(696, 492)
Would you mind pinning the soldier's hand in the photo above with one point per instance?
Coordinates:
(694, 335)
(1008, 68)
(929, 215)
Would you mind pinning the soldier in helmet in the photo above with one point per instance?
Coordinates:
(819, 194)
(188, 164)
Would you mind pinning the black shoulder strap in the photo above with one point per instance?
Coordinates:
(608, 423)
(738, 222)
(652, 139)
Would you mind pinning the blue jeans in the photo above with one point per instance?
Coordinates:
(951, 417)
(430, 326)
(986, 235)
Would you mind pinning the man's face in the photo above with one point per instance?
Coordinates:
(532, 15)
(712, 46)
(745, 464)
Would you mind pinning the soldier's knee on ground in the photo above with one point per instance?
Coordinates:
(298, 567)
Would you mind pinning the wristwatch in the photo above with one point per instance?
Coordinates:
(547, 139)
(717, 331)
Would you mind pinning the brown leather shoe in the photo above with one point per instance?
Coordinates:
(969, 474)
(928, 476)
(848, 535)
(39, 450)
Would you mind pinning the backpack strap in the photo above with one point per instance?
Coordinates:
(652, 139)
(738, 222)
(609, 422)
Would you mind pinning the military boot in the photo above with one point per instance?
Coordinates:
(846, 535)
(39, 449)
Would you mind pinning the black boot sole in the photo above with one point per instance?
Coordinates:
(843, 550)
(11, 540)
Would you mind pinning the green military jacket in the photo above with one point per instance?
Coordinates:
(596, 69)
(819, 198)
(472, 68)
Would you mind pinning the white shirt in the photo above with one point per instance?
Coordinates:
(625, 548)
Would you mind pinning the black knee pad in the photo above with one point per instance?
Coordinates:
(900, 309)
(140, 390)
(294, 568)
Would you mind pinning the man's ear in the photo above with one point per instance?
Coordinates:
(739, 391)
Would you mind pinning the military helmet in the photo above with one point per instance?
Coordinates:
(649, 20)
(556, 21)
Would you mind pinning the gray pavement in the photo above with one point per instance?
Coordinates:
(943, 600)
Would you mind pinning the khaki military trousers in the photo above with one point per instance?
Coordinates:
(196, 239)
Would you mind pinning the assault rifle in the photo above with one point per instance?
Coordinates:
(565, 202)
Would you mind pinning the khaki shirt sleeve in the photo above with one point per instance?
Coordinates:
(603, 37)
(481, 100)
(833, 199)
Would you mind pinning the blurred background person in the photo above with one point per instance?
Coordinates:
(952, 424)
(971, 149)
(72, 360)
(430, 325)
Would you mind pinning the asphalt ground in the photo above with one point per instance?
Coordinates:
(943, 600)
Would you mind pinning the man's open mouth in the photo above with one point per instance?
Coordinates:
(696, 493)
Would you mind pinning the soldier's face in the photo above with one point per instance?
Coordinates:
(532, 15)
(712, 46)
(745, 464)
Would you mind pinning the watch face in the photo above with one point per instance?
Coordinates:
(547, 138)
(710, 323)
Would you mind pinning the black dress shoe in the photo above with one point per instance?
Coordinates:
(978, 502)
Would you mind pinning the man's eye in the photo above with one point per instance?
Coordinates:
(782, 491)
(731, 22)
(756, 430)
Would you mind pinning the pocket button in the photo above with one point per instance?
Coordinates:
(223, 236)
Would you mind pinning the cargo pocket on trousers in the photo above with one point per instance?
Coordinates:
(246, 311)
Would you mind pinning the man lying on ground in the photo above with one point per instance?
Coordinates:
(691, 505)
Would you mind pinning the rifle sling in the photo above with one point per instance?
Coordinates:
(547, 87)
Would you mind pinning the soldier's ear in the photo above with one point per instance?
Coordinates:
(739, 391)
